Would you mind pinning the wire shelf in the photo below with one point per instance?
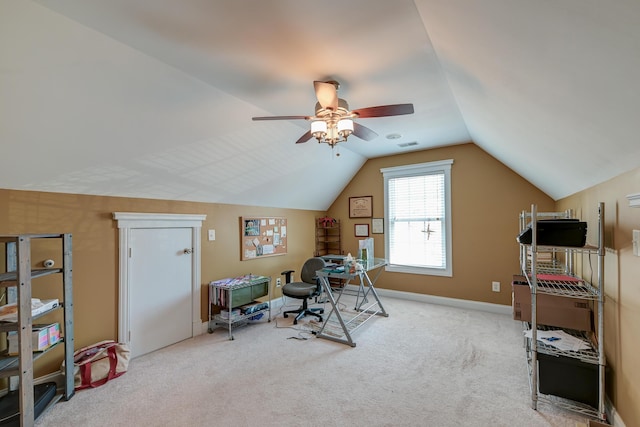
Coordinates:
(568, 288)
(589, 355)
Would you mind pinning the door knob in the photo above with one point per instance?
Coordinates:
(188, 251)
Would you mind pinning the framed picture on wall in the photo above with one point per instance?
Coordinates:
(377, 225)
(360, 207)
(362, 230)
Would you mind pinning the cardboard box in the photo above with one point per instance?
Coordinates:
(552, 310)
(42, 337)
(54, 333)
(39, 340)
(597, 424)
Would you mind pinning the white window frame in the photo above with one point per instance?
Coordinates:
(442, 166)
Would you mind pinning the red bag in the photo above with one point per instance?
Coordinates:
(96, 364)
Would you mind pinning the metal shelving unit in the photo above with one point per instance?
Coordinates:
(235, 292)
(568, 289)
(19, 276)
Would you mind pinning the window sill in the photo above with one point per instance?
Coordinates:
(395, 268)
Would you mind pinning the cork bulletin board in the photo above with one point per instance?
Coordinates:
(262, 237)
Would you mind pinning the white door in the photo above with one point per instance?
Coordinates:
(160, 291)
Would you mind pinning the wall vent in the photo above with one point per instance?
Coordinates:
(407, 144)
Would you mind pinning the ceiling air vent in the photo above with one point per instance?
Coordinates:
(407, 144)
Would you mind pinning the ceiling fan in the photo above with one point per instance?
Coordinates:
(333, 122)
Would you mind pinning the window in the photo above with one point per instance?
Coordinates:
(418, 215)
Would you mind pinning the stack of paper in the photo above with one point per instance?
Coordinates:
(560, 340)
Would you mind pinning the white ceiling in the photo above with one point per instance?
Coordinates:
(154, 99)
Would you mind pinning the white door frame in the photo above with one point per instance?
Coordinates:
(131, 220)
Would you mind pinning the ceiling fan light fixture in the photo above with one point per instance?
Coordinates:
(345, 127)
(330, 131)
(319, 129)
(333, 122)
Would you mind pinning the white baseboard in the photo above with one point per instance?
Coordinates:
(612, 414)
(452, 302)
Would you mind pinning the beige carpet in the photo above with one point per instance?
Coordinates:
(424, 365)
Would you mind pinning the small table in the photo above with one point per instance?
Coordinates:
(364, 309)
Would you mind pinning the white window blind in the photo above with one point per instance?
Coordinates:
(417, 209)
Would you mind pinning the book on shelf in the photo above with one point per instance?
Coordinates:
(9, 312)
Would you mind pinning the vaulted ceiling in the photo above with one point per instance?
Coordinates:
(154, 99)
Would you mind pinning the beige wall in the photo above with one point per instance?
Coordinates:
(95, 250)
(622, 286)
(487, 198)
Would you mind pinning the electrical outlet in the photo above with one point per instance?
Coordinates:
(495, 286)
(278, 282)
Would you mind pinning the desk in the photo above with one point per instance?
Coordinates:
(365, 309)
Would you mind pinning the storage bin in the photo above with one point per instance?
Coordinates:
(569, 378)
(247, 294)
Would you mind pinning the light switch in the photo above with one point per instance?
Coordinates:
(636, 242)
(212, 235)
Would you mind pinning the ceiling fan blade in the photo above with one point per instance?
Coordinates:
(282, 118)
(363, 132)
(327, 94)
(384, 111)
(304, 138)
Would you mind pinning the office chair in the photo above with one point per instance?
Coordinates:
(309, 287)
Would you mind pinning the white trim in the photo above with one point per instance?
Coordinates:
(416, 168)
(451, 302)
(443, 166)
(612, 414)
(634, 200)
(131, 220)
(123, 288)
(157, 220)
